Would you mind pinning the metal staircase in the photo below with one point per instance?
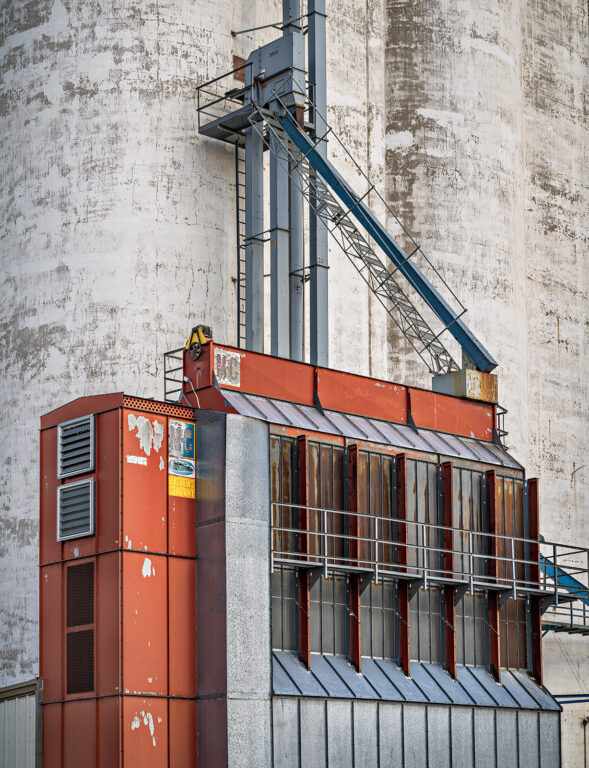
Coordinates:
(359, 250)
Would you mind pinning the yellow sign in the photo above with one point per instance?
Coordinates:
(181, 486)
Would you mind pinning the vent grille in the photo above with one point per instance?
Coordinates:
(75, 450)
(80, 661)
(80, 594)
(75, 510)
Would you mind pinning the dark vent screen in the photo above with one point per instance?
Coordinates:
(75, 510)
(80, 594)
(75, 452)
(80, 661)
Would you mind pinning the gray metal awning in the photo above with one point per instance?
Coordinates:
(363, 428)
(334, 677)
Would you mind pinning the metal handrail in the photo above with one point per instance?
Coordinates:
(424, 560)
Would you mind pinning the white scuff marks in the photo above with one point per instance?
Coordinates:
(159, 720)
(399, 140)
(76, 552)
(147, 570)
(492, 49)
(162, 465)
(150, 679)
(444, 117)
(147, 719)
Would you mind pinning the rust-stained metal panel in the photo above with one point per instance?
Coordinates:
(362, 428)
(79, 734)
(145, 481)
(182, 739)
(145, 622)
(181, 626)
(140, 597)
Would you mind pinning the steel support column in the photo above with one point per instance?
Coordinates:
(279, 253)
(494, 630)
(304, 577)
(254, 245)
(449, 591)
(403, 592)
(354, 553)
(535, 601)
(317, 230)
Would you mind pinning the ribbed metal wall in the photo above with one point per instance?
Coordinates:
(18, 725)
(335, 733)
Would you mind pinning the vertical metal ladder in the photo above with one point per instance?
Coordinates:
(240, 242)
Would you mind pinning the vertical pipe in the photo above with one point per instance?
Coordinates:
(304, 584)
(494, 636)
(279, 246)
(293, 201)
(254, 246)
(449, 591)
(535, 601)
(354, 552)
(317, 229)
(403, 593)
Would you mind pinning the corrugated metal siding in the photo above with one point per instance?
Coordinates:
(372, 430)
(17, 732)
(312, 733)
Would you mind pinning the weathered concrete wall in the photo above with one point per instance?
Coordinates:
(487, 161)
(117, 219)
(317, 733)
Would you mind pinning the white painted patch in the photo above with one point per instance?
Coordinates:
(146, 570)
(159, 719)
(148, 721)
(150, 679)
(399, 140)
(136, 723)
(144, 431)
(158, 435)
(76, 552)
(137, 460)
(130, 545)
(162, 464)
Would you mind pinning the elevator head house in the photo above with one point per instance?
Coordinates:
(283, 564)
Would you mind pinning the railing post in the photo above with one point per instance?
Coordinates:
(376, 549)
(513, 580)
(354, 553)
(325, 543)
(449, 591)
(403, 590)
(535, 600)
(304, 583)
(470, 565)
(494, 636)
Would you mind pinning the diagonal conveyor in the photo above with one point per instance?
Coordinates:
(322, 179)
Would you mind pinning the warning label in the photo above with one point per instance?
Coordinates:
(181, 459)
(181, 486)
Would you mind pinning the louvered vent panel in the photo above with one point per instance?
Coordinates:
(80, 594)
(75, 510)
(80, 661)
(75, 450)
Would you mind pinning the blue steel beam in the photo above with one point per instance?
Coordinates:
(574, 587)
(467, 340)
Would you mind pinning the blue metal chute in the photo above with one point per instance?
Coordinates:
(355, 206)
(575, 588)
